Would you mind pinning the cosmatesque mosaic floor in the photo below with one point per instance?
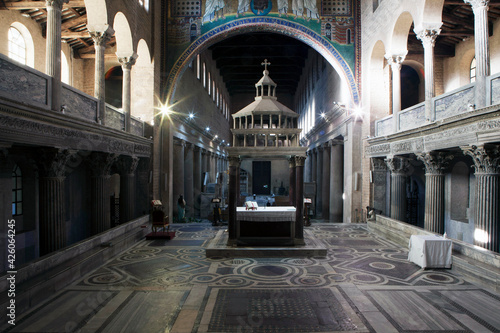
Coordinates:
(364, 284)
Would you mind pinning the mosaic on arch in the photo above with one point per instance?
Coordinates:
(333, 20)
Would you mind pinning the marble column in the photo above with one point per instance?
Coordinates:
(396, 61)
(482, 48)
(127, 63)
(435, 165)
(53, 50)
(428, 39)
(291, 191)
(307, 167)
(52, 168)
(336, 181)
(398, 167)
(299, 200)
(126, 167)
(178, 174)
(196, 180)
(325, 190)
(100, 38)
(188, 180)
(314, 166)
(319, 182)
(100, 169)
(234, 182)
(487, 204)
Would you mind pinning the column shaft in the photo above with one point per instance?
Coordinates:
(319, 182)
(53, 50)
(188, 180)
(52, 214)
(292, 178)
(196, 180)
(178, 174)
(325, 191)
(127, 197)
(487, 211)
(336, 183)
(434, 203)
(100, 204)
(398, 196)
(234, 181)
(299, 200)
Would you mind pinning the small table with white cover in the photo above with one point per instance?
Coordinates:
(430, 251)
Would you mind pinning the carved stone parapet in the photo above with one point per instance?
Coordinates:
(435, 163)
(486, 158)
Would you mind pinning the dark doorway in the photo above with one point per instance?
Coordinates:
(261, 177)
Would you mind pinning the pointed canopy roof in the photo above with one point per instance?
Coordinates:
(266, 101)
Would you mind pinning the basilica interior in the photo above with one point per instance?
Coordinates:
(361, 126)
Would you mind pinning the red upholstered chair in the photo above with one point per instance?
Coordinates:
(159, 220)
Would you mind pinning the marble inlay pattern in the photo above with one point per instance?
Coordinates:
(364, 284)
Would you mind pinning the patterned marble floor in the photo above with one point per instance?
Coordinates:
(365, 284)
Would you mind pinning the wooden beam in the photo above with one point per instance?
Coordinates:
(92, 55)
(20, 5)
(73, 22)
(75, 34)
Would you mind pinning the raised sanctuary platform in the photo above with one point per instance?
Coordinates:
(218, 247)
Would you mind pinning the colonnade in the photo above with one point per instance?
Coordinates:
(486, 206)
(191, 163)
(54, 164)
(325, 167)
(427, 35)
(100, 34)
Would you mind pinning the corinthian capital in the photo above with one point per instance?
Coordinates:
(127, 61)
(477, 3)
(435, 163)
(395, 60)
(428, 36)
(486, 159)
(101, 35)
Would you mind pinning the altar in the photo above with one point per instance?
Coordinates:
(265, 225)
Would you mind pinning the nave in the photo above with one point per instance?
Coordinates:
(364, 284)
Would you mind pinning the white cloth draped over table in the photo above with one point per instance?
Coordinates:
(430, 251)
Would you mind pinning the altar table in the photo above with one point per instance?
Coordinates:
(265, 225)
(429, 251)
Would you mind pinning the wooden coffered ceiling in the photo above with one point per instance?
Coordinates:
(73, 26)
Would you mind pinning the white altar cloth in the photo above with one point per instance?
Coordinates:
(266, 214)
(429, 251)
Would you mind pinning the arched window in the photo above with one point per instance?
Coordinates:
(473, 70)
(17, 46)
(17, 191)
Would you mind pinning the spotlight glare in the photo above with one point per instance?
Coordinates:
(207, 128)
(191, 115)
